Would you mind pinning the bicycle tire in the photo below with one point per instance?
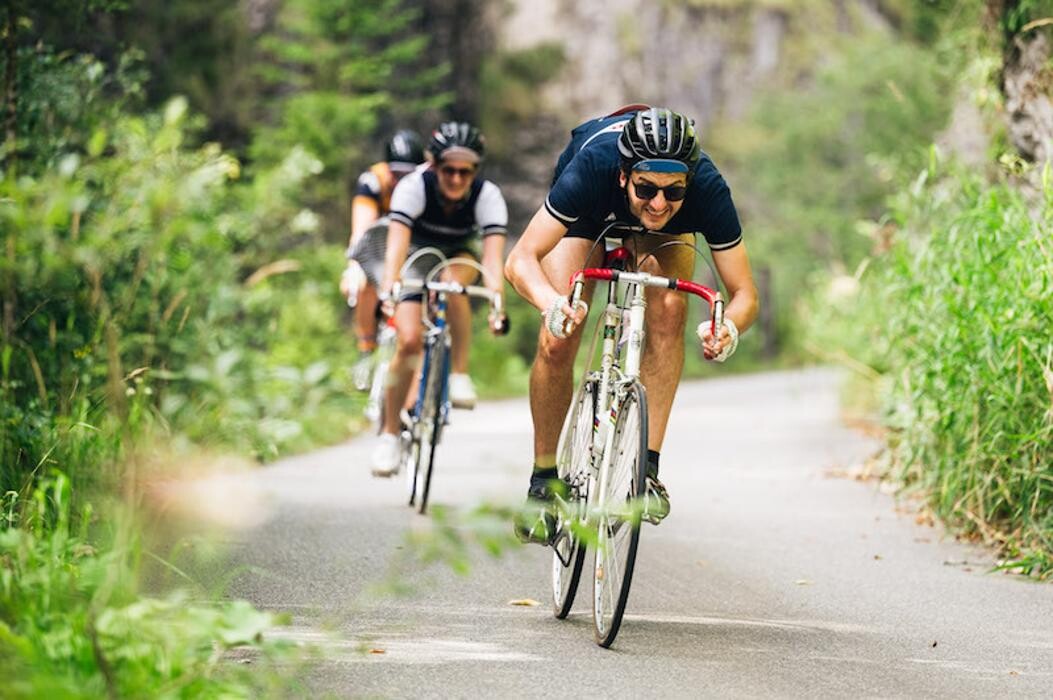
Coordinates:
(432, 418)
(411, 454)
(410, 460)
(618, 532)
(575, 445)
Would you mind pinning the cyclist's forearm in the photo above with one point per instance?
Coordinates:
(493, 261)
(364, 213)
(527, 277)
(523, 268)
(734, 268)
(742, 307)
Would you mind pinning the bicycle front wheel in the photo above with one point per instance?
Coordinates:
(435, 373)
(573, 462)
(619, 519)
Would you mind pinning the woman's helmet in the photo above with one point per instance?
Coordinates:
(404, 147)
(659, 140)
(457, 140)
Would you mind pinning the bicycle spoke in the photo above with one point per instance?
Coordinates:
(431, 416)
(619, 518)
(573, 459)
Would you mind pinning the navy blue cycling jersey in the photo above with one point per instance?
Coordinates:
(586, 194)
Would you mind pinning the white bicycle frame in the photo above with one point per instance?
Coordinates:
(613, 380)
(612, 384)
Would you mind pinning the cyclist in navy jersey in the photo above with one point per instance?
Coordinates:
(445, 205)
(641, 166)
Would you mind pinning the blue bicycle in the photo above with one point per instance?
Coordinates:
(431, 412)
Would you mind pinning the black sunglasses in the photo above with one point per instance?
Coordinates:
(647, 191)
(450, 171)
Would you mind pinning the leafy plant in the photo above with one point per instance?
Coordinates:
(817, 158)
(956, 318)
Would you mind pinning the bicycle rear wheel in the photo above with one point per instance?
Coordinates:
(411, 448)
(619, 521)
(377, 396)
(411, 459)
(574, 454)
(437, 369)
(375, 403)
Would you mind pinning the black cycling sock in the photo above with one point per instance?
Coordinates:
(652, 462)
(545, 472)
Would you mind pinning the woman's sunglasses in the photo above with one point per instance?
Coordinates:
(647, 191)
(450, 171)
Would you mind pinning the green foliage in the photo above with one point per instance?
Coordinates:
(65, 99)
(153, 293)
(510, 82)
(279, 385)
(819, 158)
(199, 49)
(501, 365)
(956, 318)
(927, 20)
(73, 624)
(128, 264)
(340, 73)
(1017, 15)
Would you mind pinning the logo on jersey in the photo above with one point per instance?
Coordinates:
(609, 129)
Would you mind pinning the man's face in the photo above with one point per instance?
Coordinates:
(455, 178)
(656, 212)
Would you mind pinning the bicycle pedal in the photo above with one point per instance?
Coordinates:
(651, 518)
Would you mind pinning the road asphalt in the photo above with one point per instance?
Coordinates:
(778, 572)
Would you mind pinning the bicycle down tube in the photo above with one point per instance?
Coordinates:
(606, 415)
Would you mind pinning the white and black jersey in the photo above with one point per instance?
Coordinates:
(417, 203)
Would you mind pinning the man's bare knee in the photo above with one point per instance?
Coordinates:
(410, 345)
(556, 352)
(667, 315)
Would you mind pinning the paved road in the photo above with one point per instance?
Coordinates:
(774, 576)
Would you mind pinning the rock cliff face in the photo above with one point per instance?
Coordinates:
(1027, 82)
(706, 58)
(703, 59)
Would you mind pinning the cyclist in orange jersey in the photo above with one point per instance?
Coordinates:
(370, 204)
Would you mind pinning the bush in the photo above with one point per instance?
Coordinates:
(72, 622)
(815, 158)
(957, 318)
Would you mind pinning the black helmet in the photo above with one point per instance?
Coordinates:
(457, 139)
(404, 147)
(659, 140)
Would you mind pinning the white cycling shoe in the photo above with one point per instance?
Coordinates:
(462, 391)
(386, 456)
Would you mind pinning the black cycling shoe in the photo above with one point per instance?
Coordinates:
(536, 521)
(656, 498)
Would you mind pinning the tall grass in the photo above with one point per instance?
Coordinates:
(73, 622)
(958, 316)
